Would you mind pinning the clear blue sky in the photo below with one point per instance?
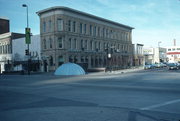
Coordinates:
(153, 20)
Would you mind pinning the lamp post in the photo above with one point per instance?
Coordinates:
(159, 51)
(24, 5)
(27, 39)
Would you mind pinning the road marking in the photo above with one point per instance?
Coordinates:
(160, 105)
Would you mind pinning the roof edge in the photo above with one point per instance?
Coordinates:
(82, 13)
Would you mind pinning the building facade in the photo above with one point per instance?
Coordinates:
(173, 53)
(6, 60)
(68, 35)
(138, 59)
(4, 25)
(20, 59)
(155, 55)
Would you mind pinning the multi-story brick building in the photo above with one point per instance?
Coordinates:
(68, 35)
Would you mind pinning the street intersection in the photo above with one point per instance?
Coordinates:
(140, 95)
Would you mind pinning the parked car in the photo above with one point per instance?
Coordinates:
(178, 65)
(155, 65)
(148, 66)
(172, 66)
(158, 65)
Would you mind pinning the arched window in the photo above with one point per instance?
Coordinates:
(44, 42)
(82, 46)
(75, 59)
(86, 59)
(92, 62)
(71, 59)
(75, 44)
(82, 59)
(60, 60)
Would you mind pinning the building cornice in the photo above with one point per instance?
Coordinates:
(81, 13)
(5, 35)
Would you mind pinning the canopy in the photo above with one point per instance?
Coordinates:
(69, 69)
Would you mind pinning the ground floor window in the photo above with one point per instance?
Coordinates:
(51, 61)
(60, 60)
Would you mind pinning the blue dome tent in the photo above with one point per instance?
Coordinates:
(69, 69)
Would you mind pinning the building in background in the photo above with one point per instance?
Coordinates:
(160, 55)
(148, 55)
(173, 54)
(4, 25)
(155, 55)
(20, 59)
(138, 59)
(68, 35)
(6, 60)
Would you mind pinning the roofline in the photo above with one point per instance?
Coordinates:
(9, 34)
(82, 13)
(4, 18)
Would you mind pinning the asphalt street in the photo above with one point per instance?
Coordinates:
(138, 95)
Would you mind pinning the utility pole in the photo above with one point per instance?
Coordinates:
(27, 39)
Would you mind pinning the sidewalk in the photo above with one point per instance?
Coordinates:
(134, 69)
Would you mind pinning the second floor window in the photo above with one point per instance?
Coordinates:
(86, 45)
(75, 44)
(91, 45)
(99, 46)
(70, 43)
(82, 46)
(50, 43)
(60, 42)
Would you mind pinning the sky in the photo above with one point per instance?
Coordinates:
(155, 21)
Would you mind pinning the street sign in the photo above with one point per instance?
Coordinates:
(28, 35)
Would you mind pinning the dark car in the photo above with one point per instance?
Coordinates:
(172, 66)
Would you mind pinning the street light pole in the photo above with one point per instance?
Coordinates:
(27, 30)
(159, 50)
(24, 5)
